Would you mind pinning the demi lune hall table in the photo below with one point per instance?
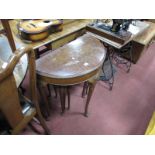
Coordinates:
(71, 64)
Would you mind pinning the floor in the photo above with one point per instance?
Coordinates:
(126, 110)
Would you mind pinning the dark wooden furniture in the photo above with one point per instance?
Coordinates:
(117, 40)
(142, 35)
(10, 107)
(71, 64)
(117, 45)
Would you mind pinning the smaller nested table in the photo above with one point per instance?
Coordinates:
(71, 64)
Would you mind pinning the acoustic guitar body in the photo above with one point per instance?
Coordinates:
(35, 36)
(36, 30)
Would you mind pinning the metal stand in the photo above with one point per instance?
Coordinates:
(118, 56)
(111, 79)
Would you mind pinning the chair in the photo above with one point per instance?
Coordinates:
(17, 115)
(8, 33)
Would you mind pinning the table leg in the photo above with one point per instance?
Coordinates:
(42, 122)
(90, 92)
(62, 93)
(49, 46)
(85, 89)
(42, 90)
(37, 55)
(68, 95)
(49, 90)
(55, 90)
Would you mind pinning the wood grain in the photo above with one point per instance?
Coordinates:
(79, 58)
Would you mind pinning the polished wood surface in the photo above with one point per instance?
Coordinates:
(78, 58)
(9, 99)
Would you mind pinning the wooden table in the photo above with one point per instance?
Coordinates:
(70, 31)
(71, 64)
(52, 41)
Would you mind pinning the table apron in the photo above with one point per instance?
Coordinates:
(66, 81)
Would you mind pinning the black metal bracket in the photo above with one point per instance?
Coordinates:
(110, 80)
(119, 59)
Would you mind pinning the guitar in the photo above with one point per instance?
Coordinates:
(35, 30)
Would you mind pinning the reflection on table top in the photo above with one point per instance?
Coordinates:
(75, 59)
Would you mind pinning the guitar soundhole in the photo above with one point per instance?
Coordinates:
(46, 21)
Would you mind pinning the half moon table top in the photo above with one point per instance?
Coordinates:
(75, 59)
